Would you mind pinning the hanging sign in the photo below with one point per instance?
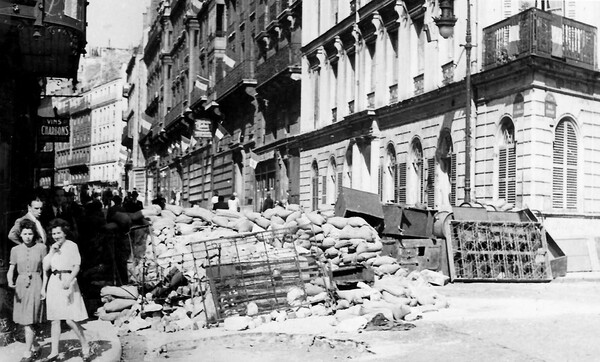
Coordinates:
(202, 128)
(54, 130)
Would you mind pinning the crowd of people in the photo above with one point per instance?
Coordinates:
(58, 237)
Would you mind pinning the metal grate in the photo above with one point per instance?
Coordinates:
(507, 251)
(235, 270)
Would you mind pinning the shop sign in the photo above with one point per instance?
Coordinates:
(54, 130)
(202, 128)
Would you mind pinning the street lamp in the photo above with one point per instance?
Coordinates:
(445, 24)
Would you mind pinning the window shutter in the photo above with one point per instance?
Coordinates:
(558, 167)
(400, 182)
(453, 179)
(380, 183)
(511, 189)
(340, 175)
(315, 193)
(324, 196)
(502, 171)
(571, 165)
(423, 182)
(431, 182)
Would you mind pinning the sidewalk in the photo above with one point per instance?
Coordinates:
(101, 335)
(579, 277)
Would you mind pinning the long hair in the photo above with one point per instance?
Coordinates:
(28, 224)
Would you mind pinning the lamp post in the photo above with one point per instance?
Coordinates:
(445, 24)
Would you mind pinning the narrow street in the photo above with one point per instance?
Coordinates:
(554, 321)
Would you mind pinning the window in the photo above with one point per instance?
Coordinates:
(330, 183)
(415, 175)
(389, 176)
(315, 185)
(565, 164)
(507, 170)
(316, 77)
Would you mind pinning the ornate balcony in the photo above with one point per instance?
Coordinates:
(535, 32)
(48, 40)
(242, 74)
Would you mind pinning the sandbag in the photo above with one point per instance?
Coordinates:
(231, 214)
(105, 316)
(282, 212)
(150, 211)
(263, 222)
(243, 225)
(117, 305)
(357, 221)
(252, 216)
(168, 214)
(199, 212)
(185, 229)
(123, 291)
(275, 219)
(315, 218)
(183, 219)
(293, 216)
(338, 222)
(220, 221)
(175, 209)
(268, 213)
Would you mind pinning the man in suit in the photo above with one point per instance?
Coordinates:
(34, 211)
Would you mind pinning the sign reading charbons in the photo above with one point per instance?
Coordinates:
(54, 130)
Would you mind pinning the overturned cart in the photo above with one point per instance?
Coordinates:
(229, 273)
(475, 243)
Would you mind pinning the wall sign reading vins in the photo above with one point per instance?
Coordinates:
(54, 130)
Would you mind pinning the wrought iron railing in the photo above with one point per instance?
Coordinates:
(234, 77)
(535, 32)
(285, 57)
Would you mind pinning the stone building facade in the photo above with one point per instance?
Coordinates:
(384, 98)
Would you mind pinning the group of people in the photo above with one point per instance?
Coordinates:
(46, 261)
(218, 202)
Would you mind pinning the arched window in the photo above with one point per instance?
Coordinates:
(389, 176)
(415, 175)
(507, 162)
(330, 183)
(315, 185)
(564, 166)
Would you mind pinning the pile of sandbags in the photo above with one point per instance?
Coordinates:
(401, 296)
(118, 302)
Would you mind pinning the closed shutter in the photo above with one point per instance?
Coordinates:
(423, 182)
(558, 167)
(380, 183)
(453, 180)
(507, 174)
(431, 182)
(564, 167)
(324, 196)
(400, 182)
(571, 176)
(315, 192)
(340, 175)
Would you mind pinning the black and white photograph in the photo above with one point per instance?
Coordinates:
(299, 180)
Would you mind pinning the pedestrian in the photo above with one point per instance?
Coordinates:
(268, 203)
(26, 258)
(64, 300)
(221, 204)
(34, 211)
(234, 203)
(214, 199)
